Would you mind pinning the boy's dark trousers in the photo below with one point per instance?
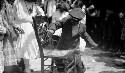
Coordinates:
(79, 64)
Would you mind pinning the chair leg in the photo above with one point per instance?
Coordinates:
(65, 69)
(75, 68)
(52, 64)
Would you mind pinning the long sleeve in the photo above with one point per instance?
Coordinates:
(84, 20)
(87, 38)
(58, 24)
(37, 10)
(40, 11)
(79, 30)
(82, 28)
(21, 12)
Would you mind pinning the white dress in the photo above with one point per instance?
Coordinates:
(28, 44)
(1, 57)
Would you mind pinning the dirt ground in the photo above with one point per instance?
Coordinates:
(96, 61)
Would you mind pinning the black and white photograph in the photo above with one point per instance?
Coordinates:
(62, 36)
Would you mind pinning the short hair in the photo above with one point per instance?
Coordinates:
(79, 3)
(62, 7)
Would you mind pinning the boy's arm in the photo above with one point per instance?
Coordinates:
(57, 25)
(88, 38)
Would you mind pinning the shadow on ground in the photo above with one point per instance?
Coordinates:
(110, 59)
(100, 61)
(112, 72)
(105, 61)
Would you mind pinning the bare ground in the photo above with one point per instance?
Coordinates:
(95, 61)
(98, 61)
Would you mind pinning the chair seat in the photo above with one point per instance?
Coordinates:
(59, 53)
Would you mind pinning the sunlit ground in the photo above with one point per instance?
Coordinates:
(96, 61)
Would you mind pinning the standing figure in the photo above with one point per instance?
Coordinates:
(2, 33)
(49, 7)
(10, 38)
(122, 20)
(26, 9)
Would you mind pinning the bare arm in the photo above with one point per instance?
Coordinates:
(39, 10)
(58, 24)
(21, 14)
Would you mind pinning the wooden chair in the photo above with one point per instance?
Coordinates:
(47, 51)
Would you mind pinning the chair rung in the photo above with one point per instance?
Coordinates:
(70, 69)
(47, 65)
(54, 66)
(70, 64)
(45, 59)
(57, 67)
(47, 68)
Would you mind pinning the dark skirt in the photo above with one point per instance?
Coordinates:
(123, 33)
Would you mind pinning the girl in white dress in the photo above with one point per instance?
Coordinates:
(28, 44)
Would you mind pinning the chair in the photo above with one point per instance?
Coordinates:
(47, 46)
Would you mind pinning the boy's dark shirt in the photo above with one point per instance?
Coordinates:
(67, 40)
